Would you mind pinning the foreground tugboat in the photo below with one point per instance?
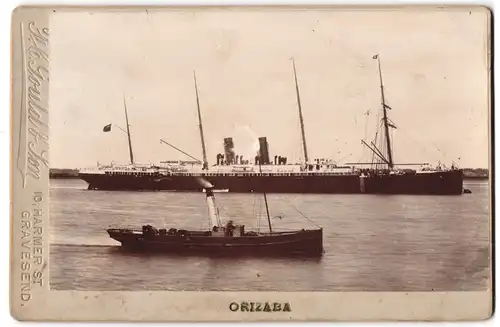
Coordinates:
(220, 240)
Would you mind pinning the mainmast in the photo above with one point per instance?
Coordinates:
(265, 197)
(306, 158)
(128, 133)
(385, 119)
(205, 162)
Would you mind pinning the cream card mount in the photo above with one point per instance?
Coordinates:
(265, 163)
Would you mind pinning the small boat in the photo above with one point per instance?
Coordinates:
(224, 190)
(221, 239)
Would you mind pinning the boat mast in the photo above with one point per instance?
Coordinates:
(205, 161)
(128, 133)
(304, 144)
(265, 197)
(385, 119)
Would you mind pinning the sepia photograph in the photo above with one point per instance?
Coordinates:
(254, 149)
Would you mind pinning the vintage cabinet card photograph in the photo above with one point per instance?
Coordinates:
(251, 163)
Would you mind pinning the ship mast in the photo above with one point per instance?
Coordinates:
(387, 123)
(306, 158)
(128, 133)
(205, 161)
(265, 197)
(385, 119)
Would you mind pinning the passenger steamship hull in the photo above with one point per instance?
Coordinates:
(423, 183)
(280, 177)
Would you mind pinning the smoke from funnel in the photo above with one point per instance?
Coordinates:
(204, 183)
(247, 140)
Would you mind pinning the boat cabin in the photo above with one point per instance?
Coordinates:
(228, 230)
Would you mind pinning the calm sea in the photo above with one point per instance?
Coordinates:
(372, 242)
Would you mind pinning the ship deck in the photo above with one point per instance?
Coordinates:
(207, 233)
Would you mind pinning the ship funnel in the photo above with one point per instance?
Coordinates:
(219, 157)
(263, 151)
(229, 149)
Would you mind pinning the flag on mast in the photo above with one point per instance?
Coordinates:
(375, 56)
(107, 128)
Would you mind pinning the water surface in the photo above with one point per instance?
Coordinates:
(372, 242)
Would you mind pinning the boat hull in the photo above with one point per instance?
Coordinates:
(435, 183)
(305, 242)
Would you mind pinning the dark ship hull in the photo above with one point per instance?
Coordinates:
(303, 242)
(435, 183)
(432, 183)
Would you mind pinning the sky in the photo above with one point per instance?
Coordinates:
(434, 65)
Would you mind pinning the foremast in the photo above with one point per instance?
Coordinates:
(202, 137)
(301, 118)
(264, 192)
(385, 120)
(386, 157)
(128, 133)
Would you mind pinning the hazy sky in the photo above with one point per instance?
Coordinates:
(434, 64)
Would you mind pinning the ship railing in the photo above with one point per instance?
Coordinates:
(257, 230)
(133, 230)
(91, 170)
(135, 173)
(291, 174)
(275, 231)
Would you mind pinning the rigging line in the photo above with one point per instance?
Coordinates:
(366, 124)
(375, 138)
(223, 208)
(422, 146)
(383, 141)
(255, 200)
(256, 213)
(176, 148)
(253, 207)
(392, 144)
(259, 211)
(300, 212)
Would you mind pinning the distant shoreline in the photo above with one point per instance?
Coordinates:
(472, 178)
(63, 173)
(66, 173)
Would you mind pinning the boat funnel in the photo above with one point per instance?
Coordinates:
(263, 151)
(212, 211)
(229, 149)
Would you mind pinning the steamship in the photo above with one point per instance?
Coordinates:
(233, 173)
(219, 239)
